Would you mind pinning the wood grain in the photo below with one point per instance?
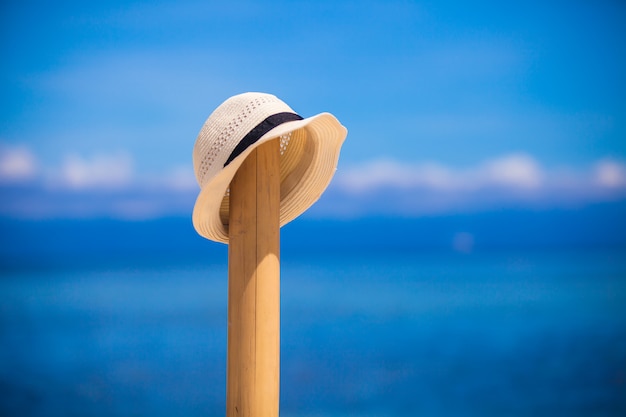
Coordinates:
(253, 355)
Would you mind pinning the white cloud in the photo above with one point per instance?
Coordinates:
(99, 171)
(107, 184)
(181, 179)
(517, 180)
(610, 174)
(517, 171)
(391, 174)
(17, 164)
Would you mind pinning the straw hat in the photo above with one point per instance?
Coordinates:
(309, 151)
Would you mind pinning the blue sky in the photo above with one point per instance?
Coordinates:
(450, 106)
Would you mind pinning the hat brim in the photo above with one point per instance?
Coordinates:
(327, 136)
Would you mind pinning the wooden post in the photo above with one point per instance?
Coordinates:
(253, 362)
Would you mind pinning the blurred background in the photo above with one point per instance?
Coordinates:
(469, 257)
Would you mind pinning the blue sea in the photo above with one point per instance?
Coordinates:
(368, 332)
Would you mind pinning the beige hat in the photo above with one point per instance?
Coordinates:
(309, 151)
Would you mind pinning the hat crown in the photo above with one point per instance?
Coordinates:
(225, 128)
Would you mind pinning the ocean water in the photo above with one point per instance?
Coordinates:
(373, 333)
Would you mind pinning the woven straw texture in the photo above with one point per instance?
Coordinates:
(309, 155)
